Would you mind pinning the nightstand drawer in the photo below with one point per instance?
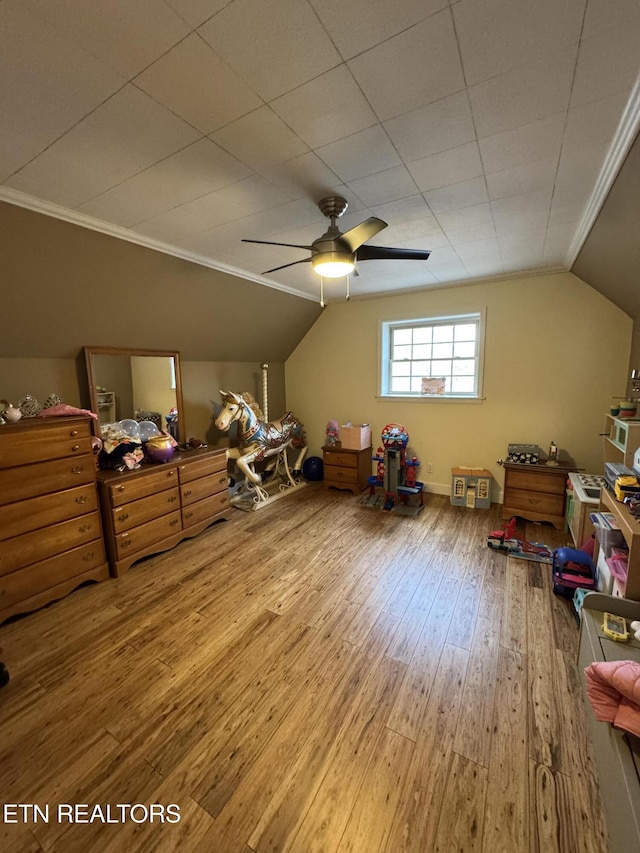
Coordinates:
(340, 475)
(343, 460)
(537, 502)
(537, 481)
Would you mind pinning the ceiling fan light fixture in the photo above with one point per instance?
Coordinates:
(333, 264)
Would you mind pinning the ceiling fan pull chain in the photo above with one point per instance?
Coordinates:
(348, 277)
(322, 291)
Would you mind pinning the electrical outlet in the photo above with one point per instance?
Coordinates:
(429, 468)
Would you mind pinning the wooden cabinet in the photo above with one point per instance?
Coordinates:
(50, 531)
(346, 469)
(630, 528)
(621, 440)
(535, 492)
(157, 506)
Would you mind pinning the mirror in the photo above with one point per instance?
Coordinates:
(125, 383)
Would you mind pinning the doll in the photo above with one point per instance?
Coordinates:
(332, 433)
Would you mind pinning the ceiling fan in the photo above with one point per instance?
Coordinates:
(334, 254)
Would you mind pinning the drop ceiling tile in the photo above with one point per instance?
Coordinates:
(192, 173)
(445, 124)
(412, 69)
(603, 16)
(456, 196)
(125, 135)
(303, 177)
(471, 233)
(436, 241)
(57, 180)
(607, 64)
(593, 124)
(498, 35)
(48, 83)
(360, 24)
(450, 273)
(260, 140)
(535, 201)
(385, 186)
(172, 226)
(193, 82)
(522, 179)
(261, 40)
(361, 154)
(426, 227)
(125, 36)
(403, 210)
(479, 250)
(537, 140)
(443, 257)
(477, 214)
(325, 109)
(484, 268)
(447, 167)
(520, 222)
(523, 94)
(196, 12)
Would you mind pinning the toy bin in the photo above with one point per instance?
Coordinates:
(609, 537)
(355, 436)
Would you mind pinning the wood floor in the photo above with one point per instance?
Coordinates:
(316, 676)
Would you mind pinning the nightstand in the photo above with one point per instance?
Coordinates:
(346, 469)
(536, 492)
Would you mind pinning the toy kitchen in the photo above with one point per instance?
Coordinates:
(583, 498)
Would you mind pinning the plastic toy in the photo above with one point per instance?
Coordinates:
(506, 540)
(332, 431)
(615, 627)
(395, 475)
(635, 627)
(573, 569)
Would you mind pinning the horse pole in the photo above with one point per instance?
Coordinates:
(265, 393)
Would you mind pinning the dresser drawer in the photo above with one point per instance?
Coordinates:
(45, 441)
(340, 475)
(24, 583)
(21, 517)
(39, 545)
(141, 484)
(148, 534)
(202, 510)
(196, 490)
(538, 502)
(138, 512)
(196, 468)
(346, 460)
(17, 484)
(536, 481)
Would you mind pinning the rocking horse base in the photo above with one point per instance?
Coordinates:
(250, 498)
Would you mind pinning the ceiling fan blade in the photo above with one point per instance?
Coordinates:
(355, 237)
(270, 243)
(381, 253)
(284, 266)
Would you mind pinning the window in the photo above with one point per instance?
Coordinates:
(433, 357)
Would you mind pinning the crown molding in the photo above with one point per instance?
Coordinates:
(623, 139)
(56, 211)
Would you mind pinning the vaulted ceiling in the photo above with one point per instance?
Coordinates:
(488, 131)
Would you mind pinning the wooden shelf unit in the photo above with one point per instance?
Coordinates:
(621, 440)
(630, 528)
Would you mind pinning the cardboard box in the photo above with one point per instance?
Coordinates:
(355, 436)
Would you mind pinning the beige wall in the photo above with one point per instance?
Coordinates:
(556, 350)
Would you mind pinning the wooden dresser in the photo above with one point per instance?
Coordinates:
(346, 469)
(155, 507)
(50, 532)
(536, 492)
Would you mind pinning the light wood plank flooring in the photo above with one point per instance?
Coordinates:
(316, 676)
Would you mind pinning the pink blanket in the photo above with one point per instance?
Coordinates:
(613, 688)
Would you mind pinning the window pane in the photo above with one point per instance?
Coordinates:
(465, 332)
(464, 367)
(465, 349)
(440, 368)
(401, 368)
(401, 352)
(416, 385)
(420, 368)
(422, 351)
(442, 350)
(442, 333)
(463, 384)
(422, 335)
(401, 336)
(401, 384)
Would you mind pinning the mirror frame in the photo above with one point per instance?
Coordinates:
(89, 352)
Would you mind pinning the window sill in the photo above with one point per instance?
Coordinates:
(387, 398)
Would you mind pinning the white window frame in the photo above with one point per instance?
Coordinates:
(384, 362)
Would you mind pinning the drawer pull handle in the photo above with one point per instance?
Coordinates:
(120, 488)
(170, 473)
(75, 447)
(172, 499)
(223, 499)
(187, 492)
(84, 528)
(222, 480)
(88, 556)
(81, 499)
(73, 432)
(77, 469)
(173, 522)
(123, 517)
(188, 515)
(534, 501)
(126, 543)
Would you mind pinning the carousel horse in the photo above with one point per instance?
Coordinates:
(258, 439)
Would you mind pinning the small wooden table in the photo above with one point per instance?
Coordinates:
(536, 492)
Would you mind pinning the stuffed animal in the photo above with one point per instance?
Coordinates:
(332, 433)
